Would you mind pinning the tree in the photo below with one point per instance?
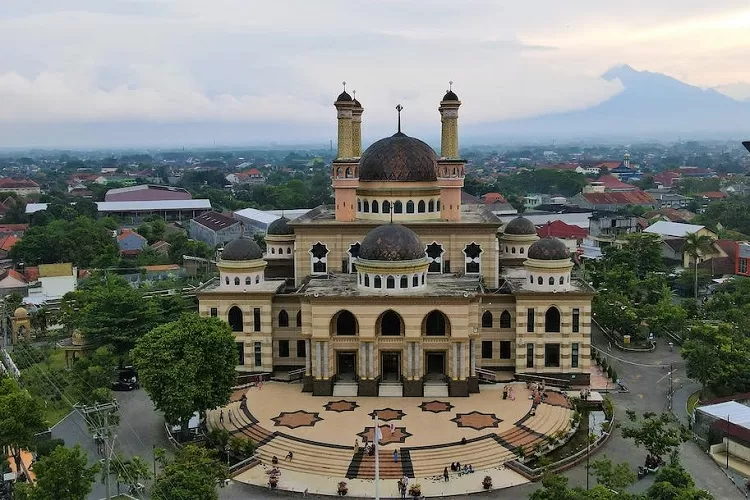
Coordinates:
(616, 477)
(655, 433)
(673, 482)
(64, 474)
(187, 366)
(129, 472)
(21, 418)
(555, 487)
(696, 246)
(716, 355)
(194, 473)
(92, 376)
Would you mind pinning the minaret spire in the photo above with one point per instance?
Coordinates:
(399, 108)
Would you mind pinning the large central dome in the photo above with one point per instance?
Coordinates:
(391, 242)
(398, 158)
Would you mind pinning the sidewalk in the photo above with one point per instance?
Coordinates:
(364, 488)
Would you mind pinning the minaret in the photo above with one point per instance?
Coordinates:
(626, 160)
(344, 106)
(449, 117)
(357, 111)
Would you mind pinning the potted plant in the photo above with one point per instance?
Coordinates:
(521, 453)
(487, 482)
(342, 488)
(550, 441)
(538, 449)
(415, 490)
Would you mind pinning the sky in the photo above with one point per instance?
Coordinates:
(187, 72)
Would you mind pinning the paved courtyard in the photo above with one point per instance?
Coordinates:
(483, 430)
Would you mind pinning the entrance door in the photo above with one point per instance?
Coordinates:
(391, 366)
(435, 365)
(347, 365)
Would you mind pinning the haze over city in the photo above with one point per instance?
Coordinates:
(85, 73)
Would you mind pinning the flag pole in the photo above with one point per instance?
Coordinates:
(375, 434)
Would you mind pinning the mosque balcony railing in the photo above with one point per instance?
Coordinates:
(390, 340)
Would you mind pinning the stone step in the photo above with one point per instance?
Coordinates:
(436, 390)
(390, 390)
(345, 389)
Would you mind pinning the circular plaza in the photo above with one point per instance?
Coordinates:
(311, 439)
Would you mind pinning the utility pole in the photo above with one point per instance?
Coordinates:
(671, 386)
(97, 417)
(4, 320)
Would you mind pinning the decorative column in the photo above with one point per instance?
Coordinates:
(326, 362)
(308, 358)
(317, 369)
(362, 361)
(454, 365)
(472, 358)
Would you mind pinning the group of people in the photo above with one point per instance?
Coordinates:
(585, 393)
(457, 467)
(508, 392)
(403, 485)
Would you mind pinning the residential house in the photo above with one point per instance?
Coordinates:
(12, 281)
(6, 243)
(161, 247)
(667, 199)
(669, 215)
(666, 180)
(22, 187)
(742, 259)
(492, 198)
(696, 172)
(147, 192)
(532, 200)
(676, 230)
(54, 281)
(611, 184)
(572, 236)
(215, 229)
(252, 176)
(613, 202)
(608, 227)
(724, 260)
(131, 244)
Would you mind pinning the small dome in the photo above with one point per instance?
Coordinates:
(280, 227)
(549, 249)
(242, 249)
(398, 158)
(450, 96)
(357, 104)
(520, 225)
(391, 242)
(344, 97)
(21, 312)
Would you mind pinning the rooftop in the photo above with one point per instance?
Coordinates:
(665, 228)
(215, 221)
(345, 285)
(470, 214)
(136, 206)
(733, 411)
(267, 286)
(517, 279)
(635, 197)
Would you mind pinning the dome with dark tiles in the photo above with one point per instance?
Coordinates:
(357, 104)
(344, 97)
(520, 225)
(398, 158)
(242, 249)
(549, 249)
(450, 96)
(280, 227)
(391, 242)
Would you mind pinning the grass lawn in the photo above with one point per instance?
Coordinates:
(692, 402)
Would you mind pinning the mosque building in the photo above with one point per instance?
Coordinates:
(398, 288)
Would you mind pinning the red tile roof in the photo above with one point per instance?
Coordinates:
(9, 183)
(609, 165)
(612, 182)
(7, 243)
(636, 197)
(16, 275)
(31, 273)
(559, 229)
(491, 198)
(713, 195)
(13, 228)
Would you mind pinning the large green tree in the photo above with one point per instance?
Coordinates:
(696, 246)
(187, 366)
(194, 473)
(21, 418)
(658, 434)
(64, 474)
(716, 355)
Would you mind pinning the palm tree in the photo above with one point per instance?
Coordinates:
(695, 246)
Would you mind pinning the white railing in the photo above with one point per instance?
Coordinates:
(10, 365)
(487, 375)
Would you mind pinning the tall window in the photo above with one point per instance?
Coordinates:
(386, 207)
(552, 355)
(319, 253)
(552, 320)
(431, 206)
(390, 282)
(236, 281)
(505, 319)
(241, 352)
(301, 349)
(346, 323)
(576, 320)
(436, 324)
(283, 348)
(421, 206)
(409, 207)
(505, 349)
(214, 312)
(435, 257)
(256, 319)
(353, 256)
(472, 253)
(398, 207)
(375, 206)
(283, 319)
(404, 282)
(530, 320)
(574, 355)
(258, 352)
(486, 349)
(529, 355)
(248, 281)
(366, 206)
(378, 281)
(299, 318)
(390, 323)
(487, 319)
(234, 318)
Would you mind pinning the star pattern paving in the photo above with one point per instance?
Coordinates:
(476, 420)
(436, 406)
(399, 435)
(340, 406)
(388, 414)
(299, 418)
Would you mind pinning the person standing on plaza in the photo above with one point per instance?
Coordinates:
(445, 474)
(395, 456)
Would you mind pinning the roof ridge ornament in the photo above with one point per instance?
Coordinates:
(450, 86)
(399, 108)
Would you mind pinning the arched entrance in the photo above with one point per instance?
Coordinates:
(234, 318)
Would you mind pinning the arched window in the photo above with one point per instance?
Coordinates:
(420, 206)
(520, 250)
(366, 206)
(415, 281)
(513, 250)
(348, 172)
(423, 278)
(531, 279)
(436, 324)
(398, 207)
(257, 278)
(472, 261)
(390, 282)
(338, 172)
(248, 281)
(540, 280)
(551, 280)
(283, 318)
(236, 281)
(438, 205)
(404, 282)
(375, 206)
(386, 207)
(390, 323)
(234, 318)
(346, 323)
(226, 280)
(431, 206)
(378, 282)
(454, 172)
(299, 318)
(359, 205)
(505, 319)
(487, 319)
(562, 280)
(273, 250)
(288, 250)
(410, 207)
(367, 280)
(552, 320)
(281, 251)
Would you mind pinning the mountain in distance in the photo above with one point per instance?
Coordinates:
(651, 105)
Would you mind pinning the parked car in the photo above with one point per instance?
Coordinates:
(127, 379)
